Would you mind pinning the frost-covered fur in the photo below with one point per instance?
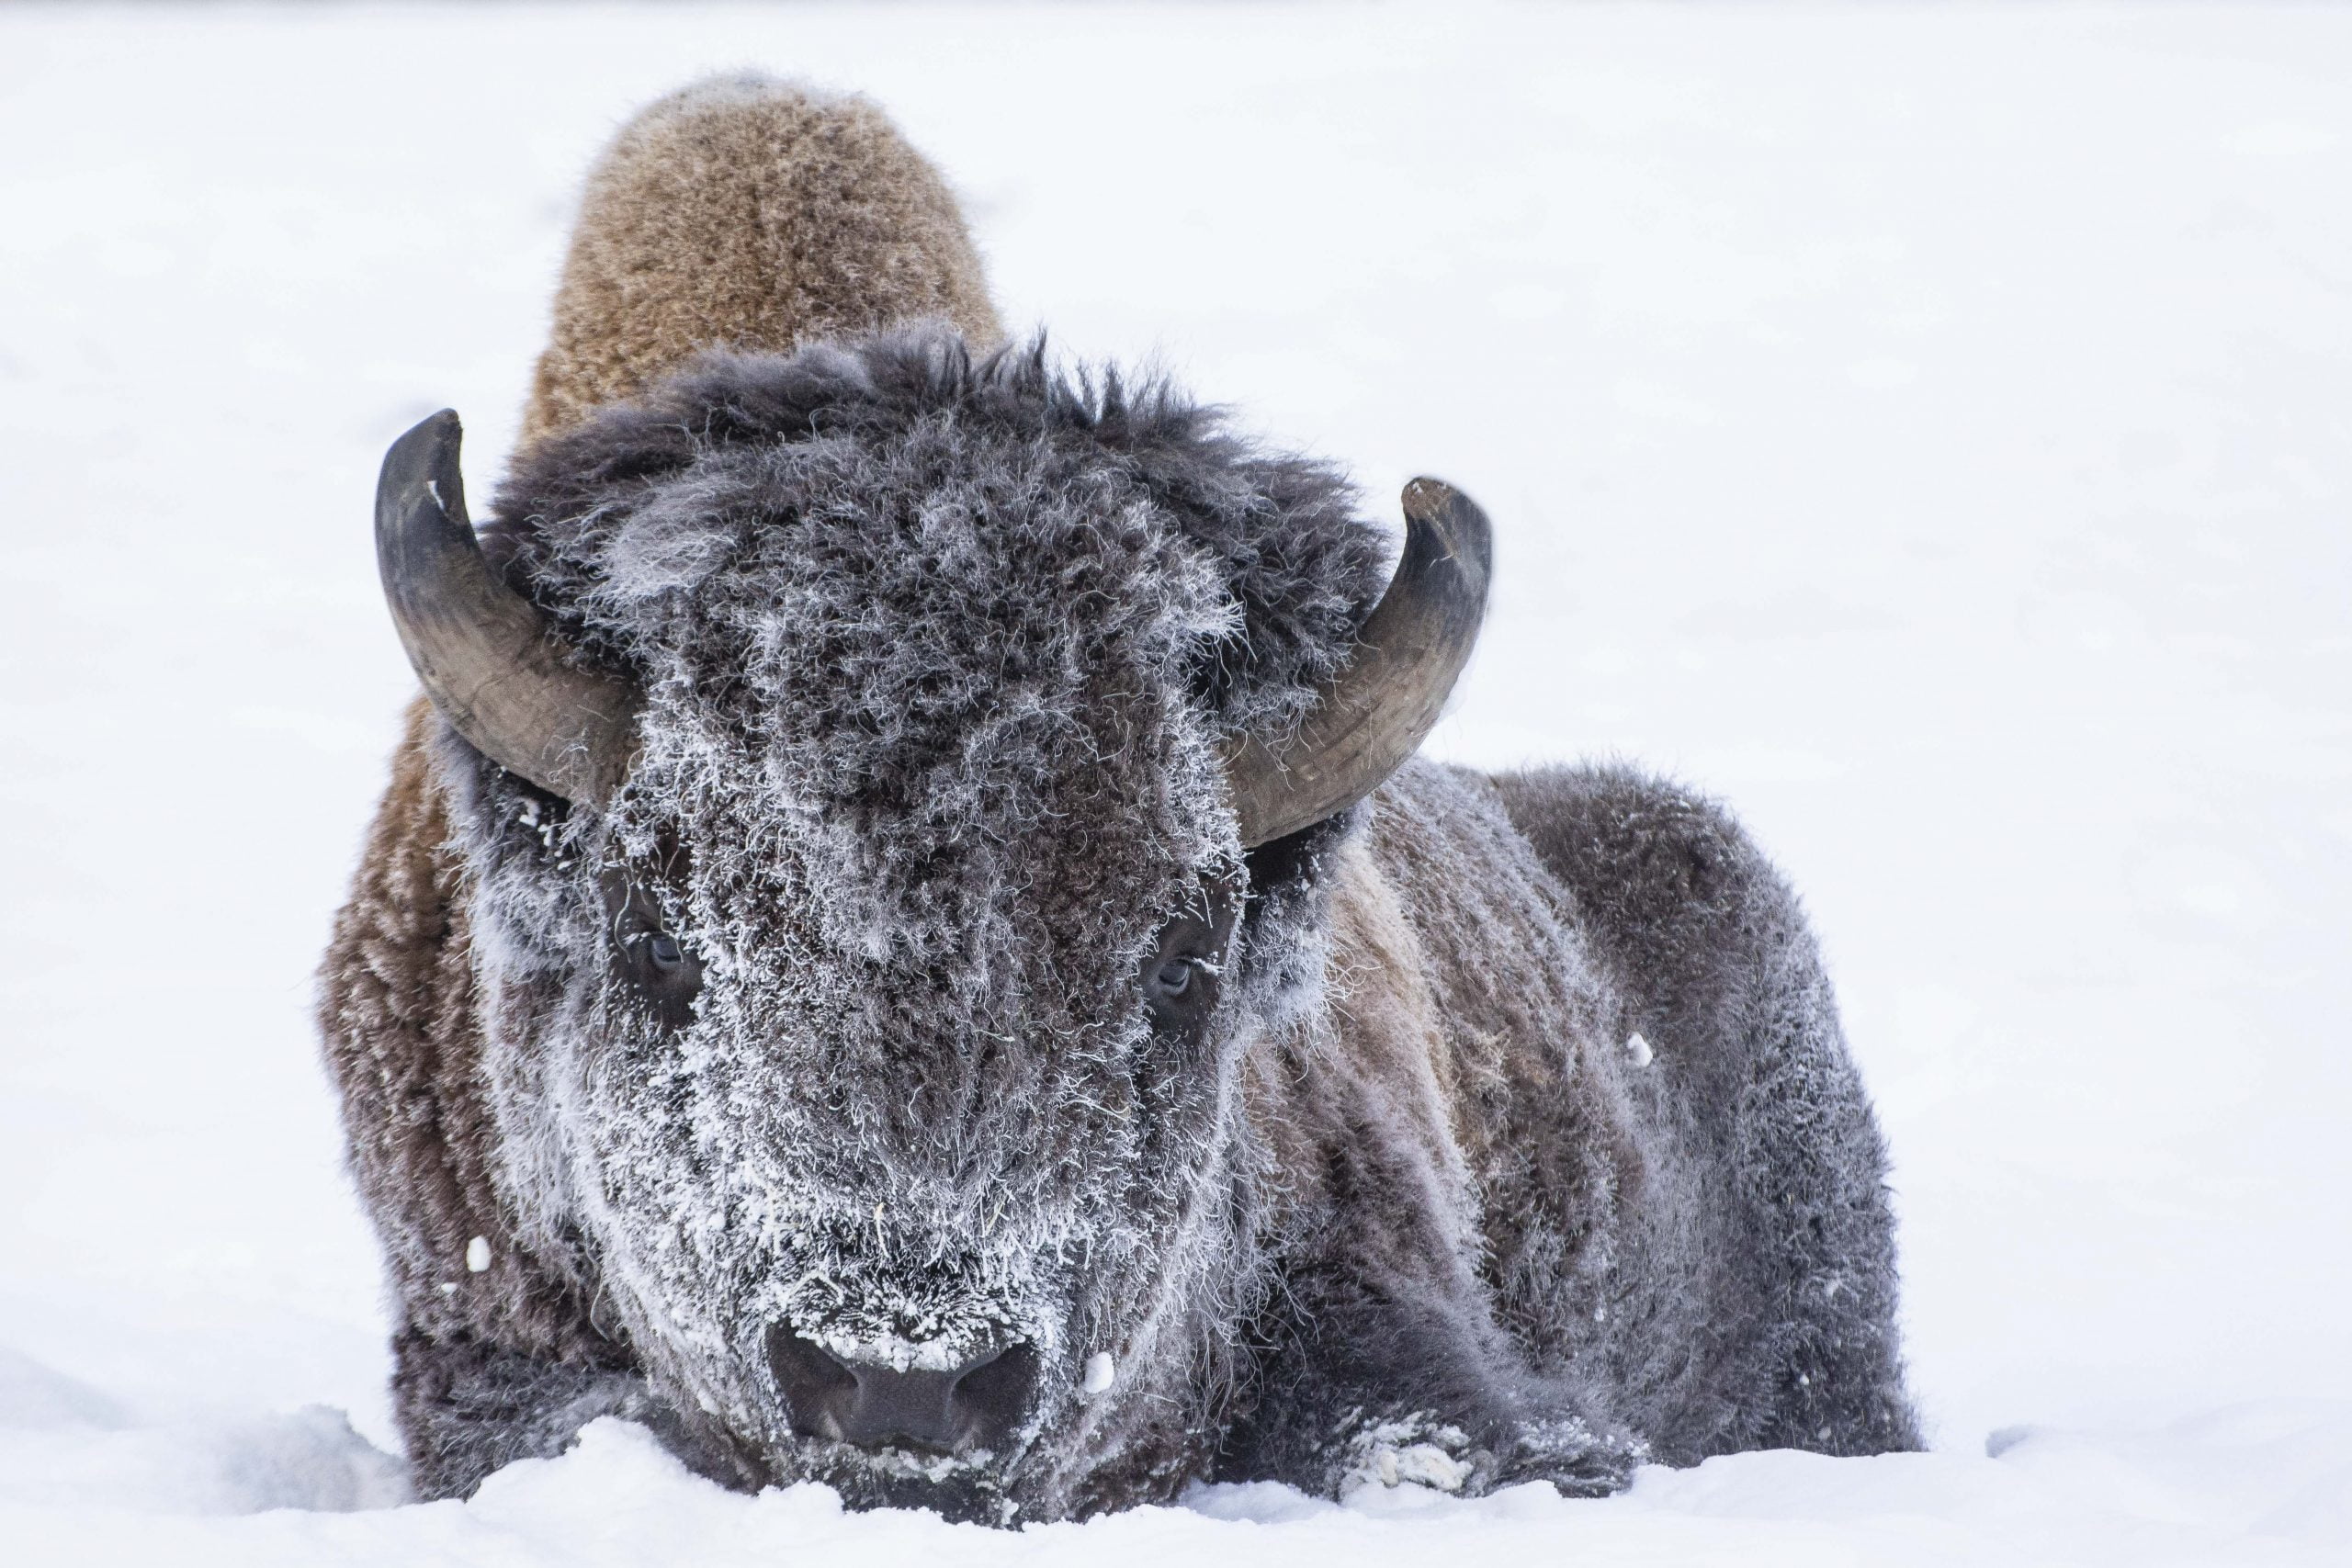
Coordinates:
(1521, 1144)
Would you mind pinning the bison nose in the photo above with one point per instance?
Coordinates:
(954, 1410)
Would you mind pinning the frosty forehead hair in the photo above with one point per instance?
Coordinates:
(898, 490)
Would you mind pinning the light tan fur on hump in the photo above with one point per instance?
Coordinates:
(744, 212)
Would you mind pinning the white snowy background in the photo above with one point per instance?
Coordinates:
(1929, 428)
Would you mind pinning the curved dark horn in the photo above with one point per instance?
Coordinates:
(483, 650)
(1370, 715)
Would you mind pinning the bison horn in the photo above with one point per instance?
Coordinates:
(484, 651)
(1372, 714)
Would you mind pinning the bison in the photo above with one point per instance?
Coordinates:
(907, 945)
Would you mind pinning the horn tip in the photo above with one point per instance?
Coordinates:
(1425, 496)
(1430, 499)
(442, 426)
(426, 451)
(1450, 522)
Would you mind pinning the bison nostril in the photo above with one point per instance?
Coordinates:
(957, 1410)
(992, 1392)
(820, 1391)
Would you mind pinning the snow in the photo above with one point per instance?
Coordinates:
(1926, 427)
(1407, 1453)
(2220, 1491)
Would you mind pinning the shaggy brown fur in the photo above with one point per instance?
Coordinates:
(403, 1032)
(844, 229)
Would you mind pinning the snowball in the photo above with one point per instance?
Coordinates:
(1100, 1373)
(1638, 1050)
(478, 1255)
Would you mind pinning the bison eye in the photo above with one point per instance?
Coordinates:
(1179, 976)
(1179, 990)
(1173, 980)
(663, 971)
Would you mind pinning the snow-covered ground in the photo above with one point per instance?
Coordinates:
(1930, 428)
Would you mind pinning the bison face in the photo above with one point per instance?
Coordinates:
(857, 754)
(913, 1188)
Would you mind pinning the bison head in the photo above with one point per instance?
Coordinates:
(891, 785)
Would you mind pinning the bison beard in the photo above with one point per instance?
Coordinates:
(910, 1079)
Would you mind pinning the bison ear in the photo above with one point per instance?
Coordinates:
(1377, 710)
(484, 653)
